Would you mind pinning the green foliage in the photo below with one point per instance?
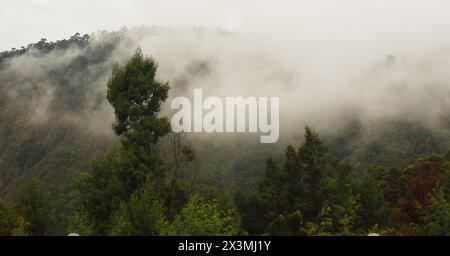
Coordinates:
(80, 224)
(6, 223)
(311, 195)
(201, 218)
(21, 228)
(146, 213)
(374, 208)
(251, 211)
(101, 191)
(343, 199)
(111, 192)
(120, 221)
(11, 225)
(312, 161)
(32, 204)
(295, 190)
(437, 218)
(130, 190)
(136, 97)
(290, 225)
(324, 225)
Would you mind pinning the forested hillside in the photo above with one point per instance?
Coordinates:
(86, 147)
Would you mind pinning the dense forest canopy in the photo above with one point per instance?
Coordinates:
(72, 159)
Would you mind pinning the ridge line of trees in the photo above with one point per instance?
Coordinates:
(137, 189)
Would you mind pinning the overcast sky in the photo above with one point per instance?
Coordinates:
(335, 26)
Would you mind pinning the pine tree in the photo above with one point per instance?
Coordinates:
(374, 208)
(311, 158)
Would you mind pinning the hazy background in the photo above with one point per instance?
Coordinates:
(328, 61)
(319, 28)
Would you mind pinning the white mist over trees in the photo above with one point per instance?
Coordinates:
(371, 79)
(409, 87)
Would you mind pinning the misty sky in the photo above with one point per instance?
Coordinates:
(321, 27)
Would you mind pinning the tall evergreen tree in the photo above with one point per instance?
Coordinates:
(374, 208)
(312, 161)
(136, 96)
